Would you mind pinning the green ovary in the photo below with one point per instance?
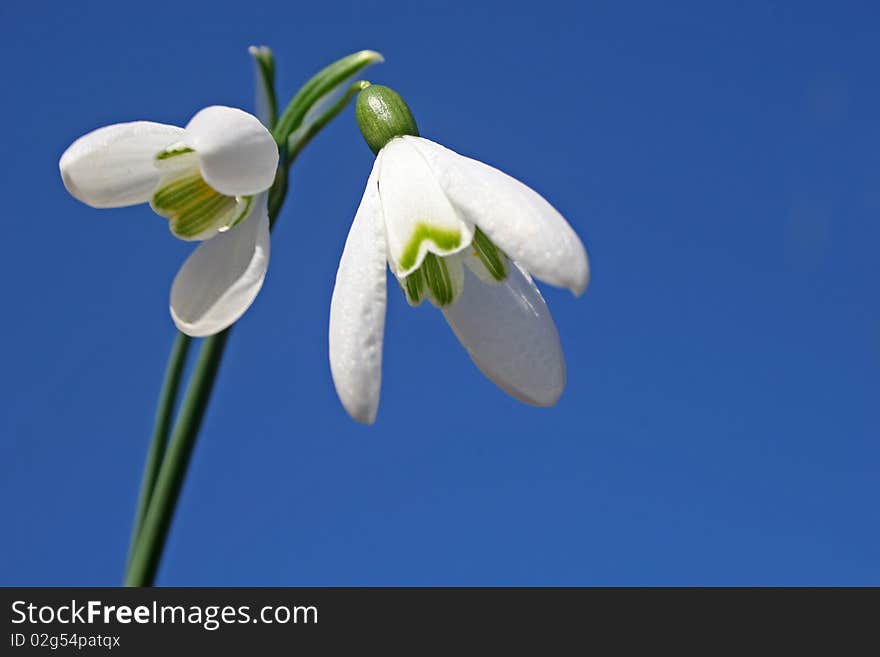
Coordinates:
(444, 239)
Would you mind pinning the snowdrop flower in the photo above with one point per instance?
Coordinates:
(209, 181)
(463, 235)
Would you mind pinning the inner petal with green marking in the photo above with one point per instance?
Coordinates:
(419, 219)
(423, 233)
(441, 279)
(195, 210)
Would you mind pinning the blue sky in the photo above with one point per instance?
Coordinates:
(721, 162)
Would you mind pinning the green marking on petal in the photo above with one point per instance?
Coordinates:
(444, 239)
(174, 152)
(438, 280)
(194, 209)
(414, 287)
(180, 190)
(177, 156)
(490, 255)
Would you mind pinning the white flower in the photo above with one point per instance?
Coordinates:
(467, 237)
(209, 180)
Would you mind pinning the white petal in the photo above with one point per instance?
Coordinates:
(113, 166)
(237, 155)
(418, 216)
(515, 217)
(510, 335)
(222, 277)
(357, 309)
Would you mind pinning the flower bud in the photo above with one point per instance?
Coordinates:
(382, 115)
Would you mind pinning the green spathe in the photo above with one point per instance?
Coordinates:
(382, 115)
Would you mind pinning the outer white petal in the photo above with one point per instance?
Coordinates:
(222, 277)
(357, 309)
(515, 217)
(418, 216)
(113, 166)
(509, 334)
(237, 155)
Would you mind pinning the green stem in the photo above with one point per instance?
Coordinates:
(278, 191)
(151, 540)
(161, 427)
(147, 551)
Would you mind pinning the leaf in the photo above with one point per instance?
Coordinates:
(322, 91)
(267, 105)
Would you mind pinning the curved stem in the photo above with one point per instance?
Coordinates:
(147, 551)
(151, 539)
(161, 427)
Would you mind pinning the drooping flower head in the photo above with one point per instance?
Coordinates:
(209, 181)
(462, 235)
